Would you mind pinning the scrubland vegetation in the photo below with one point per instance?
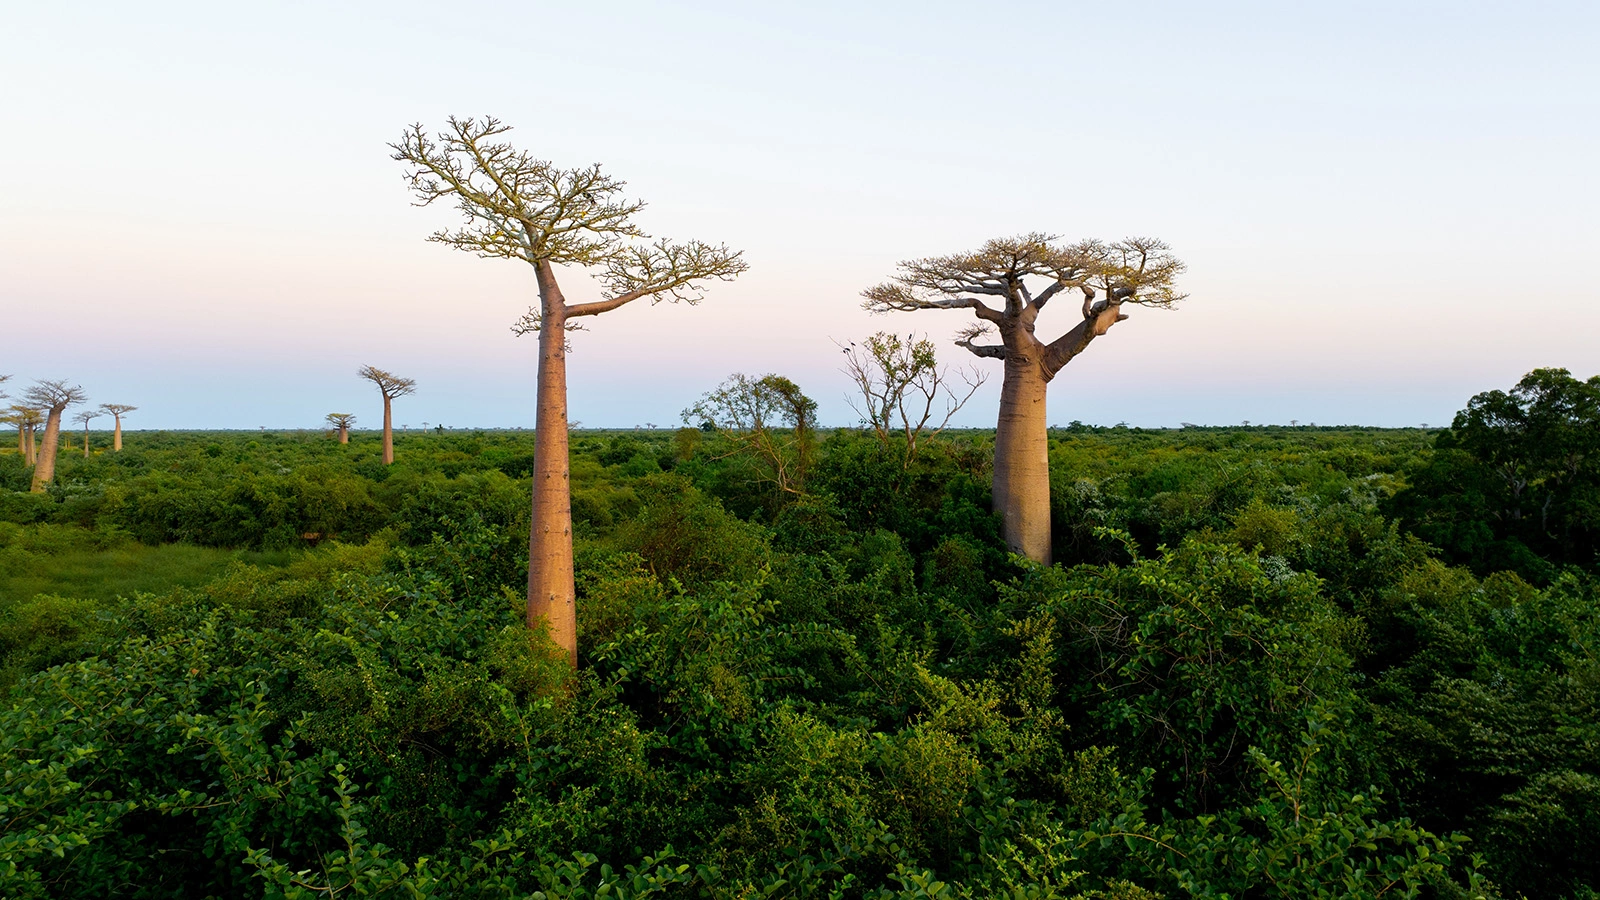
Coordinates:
(1267, 662)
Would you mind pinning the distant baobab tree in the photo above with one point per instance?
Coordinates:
(117, 411)
(519, 207)
(390, 386)
(1110, 278)
(51, 398)
(86, 416)
(342, 421)
(27, 419)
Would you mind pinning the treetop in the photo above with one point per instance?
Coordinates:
(389, 384)
(54, 395)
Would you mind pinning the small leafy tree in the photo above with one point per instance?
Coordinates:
(747, 411)
(53, 398)
(902, 389)
(390, 386)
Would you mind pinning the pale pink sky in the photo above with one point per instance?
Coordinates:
(1385, 207)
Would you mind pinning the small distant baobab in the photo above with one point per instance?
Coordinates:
(117, 411)
(86, 416)
(390, 386)
(343, 421)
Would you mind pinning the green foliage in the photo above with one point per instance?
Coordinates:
(1247, 681)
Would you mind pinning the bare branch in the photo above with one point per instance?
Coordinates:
(661, 271)
(54, 396)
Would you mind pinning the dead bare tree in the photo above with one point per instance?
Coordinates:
(342, 421)
(117, 411)
(1109, 276)
(390, 386)
(86, 416)
(901, 385)
(523, 208)
(52, 398)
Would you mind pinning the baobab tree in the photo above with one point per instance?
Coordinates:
(86, 416)
(390, 386)
(342, 421)
(27, 419)
(117, 411)
(52, 398)
(522, 208)
(1110, 277)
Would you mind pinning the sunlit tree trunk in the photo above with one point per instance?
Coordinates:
(30, 451)
(552, 591)
(116, 435)
(344, 434)
(86, 441)
(1022, 458)
(44, 467)
(388, 432)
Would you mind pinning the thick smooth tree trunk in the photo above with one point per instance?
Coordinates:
(116, 437)
(552, 591)
(344, 434)
(32, 457)
(85, 442)
(388, 433)
(44, 468)
(1022, 459)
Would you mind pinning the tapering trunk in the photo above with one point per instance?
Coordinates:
(116, 437)
(388, 433)
(85, 441)
(30, 451)
(552, 592)
(44, 468)
(1022, 458)
(344, 434)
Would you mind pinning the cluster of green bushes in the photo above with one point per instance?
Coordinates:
(1246, 678)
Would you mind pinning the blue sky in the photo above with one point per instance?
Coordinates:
(1385, 208)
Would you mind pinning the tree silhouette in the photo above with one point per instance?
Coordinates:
(519, 207)
(390, 386)
(117, 411)
(86, 416)
(52, 398)
(1110, 277)
(342, 421)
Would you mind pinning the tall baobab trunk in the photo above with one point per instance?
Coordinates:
(44, 466)
(1022, 456)
(388, 432)
(30, 452)
(344, 434)
(86, 440)
(116, 435)
(552, 590)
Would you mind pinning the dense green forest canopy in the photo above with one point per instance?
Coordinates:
(1270, 662)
